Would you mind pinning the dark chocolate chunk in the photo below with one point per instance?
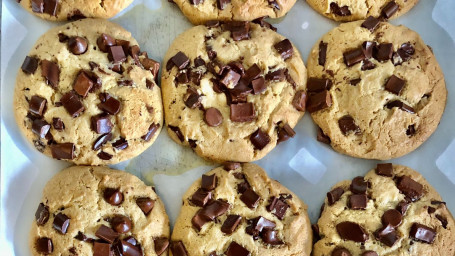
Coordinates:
(199, 220)
(367, 65)
(351, 231)
(284, 48)
(334, 195)
(399, 104)
(213, 117)
(75, 15)
(177, 132)
(322, 137)
(81, 237)
(355, 82)
(152, 130)
(210, 52)
(250, 198)
(201, 197)
(318, 84)
(178, 248)
(236, 249)
(101, 140)
(367, 48)
(383, 52)
(104, 155)
(102, 249)
(340, 11)
(199, 62)
(358, 202)
(284, 133)
(125, 45)
(369, 253)
(61, 223)
(182, 77)
(192, 98)
(214, 209)
(63, 150)
(299, 100)
(101, 124)
(431, 210)
(125, 248)
(347, 125)
(402, 207)
(353, 57)
(340, 251)
(230, 224)
(358, 185)
(390, 9)
(152, 65)
(322, 53)
(371, 23)
(259, 224)
(384, 169)
(51, 72)
(278, 207)
(44, 245)
(422, 233)
(77, 45)
(120, 144)
(106, 233)
(146, 204)
(40, 127)
(72, 104)
(104, 42)
(261, 21)
(221, 4)
(230, 79)
(409, 187)
(239, 93)
(50, 7)
(411, 130)
(319, 101)
(113, 196)
(239, 29)
(391, 217)
(229, 166)
(443, 220)
(271, 237)
(277, 75)
(37, 6)
(30, 64)
(208, 182)
(111, 106)
(252, 73)
(161, 245)
(394, 85)
(58, 124)
(37, 105)
(259, 139)
(121, 224)
(180, 60)
(258, 85)
(42, 214)
(243, 186)
(116, 54)
(242, 112)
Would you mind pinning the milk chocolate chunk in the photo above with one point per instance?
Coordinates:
(319, 101)
(101, 124)
(353, 57)
(410, 188)
(83, 84)
(347, 125)
(340, 251)
(213, 117)
(359, 185)
(259, 139)
(371, 23)
(351, 231)
(110, 106)
(37, 6)
(252, 73)
(72, 104)
(402, 106)
(322, 53)
(180, 60)
(42, 214)
(318, 84)
(284, 48)
(201, 197)
(391, 217)
(116, 54)
(77, 45)
(178, 249)
(258, 85)
(104, 42)
(242, 112)
(214, 209)
(394, 85)
(221, 4)
(40, 127)
(37, 105)
(30, 64)
(62, 150)
(50, 7)
(384, 169)
(422, 233)
(236, 249)
(340, 11)
(334, 195)
(284, 133)
(229, 166)
(113, 196)
(208, 182)
(161, 245)
(44, 245)
(106, 233)
(121, 224)
(239, 93)
(102, 249)
(358, 202)
(51, 72)
(230, 79)
(271, 237)
(146, 204)
(230, 224)
(390, 9)
(61, 223)
(383, 52)
(277, 75)
(299, 100)
(278, 207)
(250, 198)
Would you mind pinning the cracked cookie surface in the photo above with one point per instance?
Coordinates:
(232, 91)
(238, 210)
(350, 10)
(56, 10)
(85, 93)
(401, 214)
(93, 210)
(375, 89)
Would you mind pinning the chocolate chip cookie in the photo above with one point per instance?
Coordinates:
(349, 10)
(237, 210)
(232, 91)
(86, 93)
(56, 10)
(99, 211)
(391, 211)
(375, 89)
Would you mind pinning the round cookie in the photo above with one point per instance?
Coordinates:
(391, 211)
(201, 11)
(238, 210)
(93, 210)
(375, 89)
(350, 10)
(55, 10)
(232, 91)
(86, 94)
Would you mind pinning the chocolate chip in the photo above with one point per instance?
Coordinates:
(443, 220)
(106, 233)
(284, 48)
(120, 144)
(391, 217)
(371, 23)
(278, 207)
(351, 231)
(252, 73)
(116, 54)
(259, 139)
(284, 133)
(322, 53)
(40, 127)
(355, 82)
(44, 245)
(318, 84)
(121, 224)
(102, 249)
(341, 252)
(72, 104)
(146, 204)
(29, 65)
(104, 42)
(125, 248)
(402, 207)
(383, 52)
(422, 233)
(340, 11)
(230, 79)
(242, 112)
(113, 196)
(411, 130)
(239, 29)
(208, 182)
(51, 72)
(201, 197)
(229, 166)
(277, 75)
(370, 253)
(213, 117)
(180, 60)
(221, 4)
(394, 85)
(77, 45)
(319, 101)
(192, 98)
(111, 106)
(37, 6)
(61, 223)
(42, 214)
(230, 224)
(101, 124)
(104, 155)
(177, 132)
(236, 249)
(409, 187)
(347, 125)
(390, 9)
(37, 105)
(299, 100)
(322, 137)
(358, 202)
(75, 15)
(258, 85)
(178, 249)
(358, 185)
(161, 244)
(353, 57)
(250, 198)
(384, 169)
(63, 150)
(400, 105)
(334, 195)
